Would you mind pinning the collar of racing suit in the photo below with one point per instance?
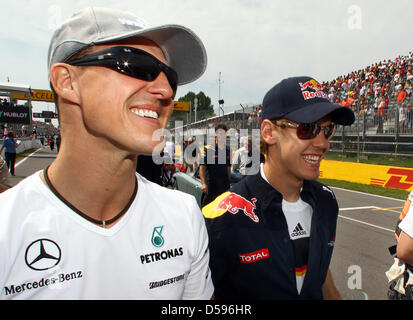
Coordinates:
(268, 195)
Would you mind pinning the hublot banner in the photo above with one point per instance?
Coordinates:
(15, 115)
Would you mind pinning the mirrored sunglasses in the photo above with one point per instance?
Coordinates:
(130, 61)
(306, 131)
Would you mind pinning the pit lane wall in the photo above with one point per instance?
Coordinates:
(371, 174)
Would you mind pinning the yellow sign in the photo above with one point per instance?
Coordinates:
(181, 106)
(48, 96)
(37, 95)
(372, 174)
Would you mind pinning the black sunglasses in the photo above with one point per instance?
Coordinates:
(306, 131)
(130, 61)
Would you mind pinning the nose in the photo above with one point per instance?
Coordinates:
(160, 87)
(320, 141)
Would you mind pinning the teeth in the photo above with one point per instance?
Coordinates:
(312, 159)
(145, 113)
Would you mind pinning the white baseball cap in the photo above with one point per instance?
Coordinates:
(182, 48)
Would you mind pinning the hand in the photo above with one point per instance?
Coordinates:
(204, 188)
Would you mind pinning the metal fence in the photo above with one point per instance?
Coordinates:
(390, 133)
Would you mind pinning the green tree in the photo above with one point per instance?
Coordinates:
(205, 109)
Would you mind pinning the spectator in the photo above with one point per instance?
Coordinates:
(51, 142)
(398, 87)
(10, 145)
(408, 88)
(400, 273)
(215, 167)
(401, 96)
(191, 154)
(243, 163)
(169, 150)
(380, 117)
(58, 142)
(409, 117)
(402, 118)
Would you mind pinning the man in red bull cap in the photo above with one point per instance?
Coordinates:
(272, 235)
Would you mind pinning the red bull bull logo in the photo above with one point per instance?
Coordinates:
(234, 203)
(312, 84)
(317, 90)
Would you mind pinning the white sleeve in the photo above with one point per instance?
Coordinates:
(407, 223)
(199, 285)
(236, 161)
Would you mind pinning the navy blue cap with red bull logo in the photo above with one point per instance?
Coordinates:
(302, 100)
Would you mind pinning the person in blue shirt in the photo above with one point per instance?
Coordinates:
(10, 145)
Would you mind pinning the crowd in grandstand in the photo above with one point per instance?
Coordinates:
(379, 81)
(374, 86)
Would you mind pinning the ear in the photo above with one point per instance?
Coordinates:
(268, 132)
(61, 78)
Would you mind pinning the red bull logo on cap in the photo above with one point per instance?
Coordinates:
(312, 84)
(234, 203)
(317, 90)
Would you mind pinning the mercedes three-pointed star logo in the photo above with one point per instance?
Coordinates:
(42, 254)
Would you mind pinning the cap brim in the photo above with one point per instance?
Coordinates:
(182, 48)
(313, 113)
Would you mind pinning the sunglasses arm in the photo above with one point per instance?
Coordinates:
(92, 60)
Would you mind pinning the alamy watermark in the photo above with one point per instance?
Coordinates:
(354, 282)
(55, 17)
(355, 21)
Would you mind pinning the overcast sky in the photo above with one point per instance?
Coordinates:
(253, 43)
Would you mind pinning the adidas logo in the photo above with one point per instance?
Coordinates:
(298, 231)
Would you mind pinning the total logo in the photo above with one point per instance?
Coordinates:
(254, 256)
